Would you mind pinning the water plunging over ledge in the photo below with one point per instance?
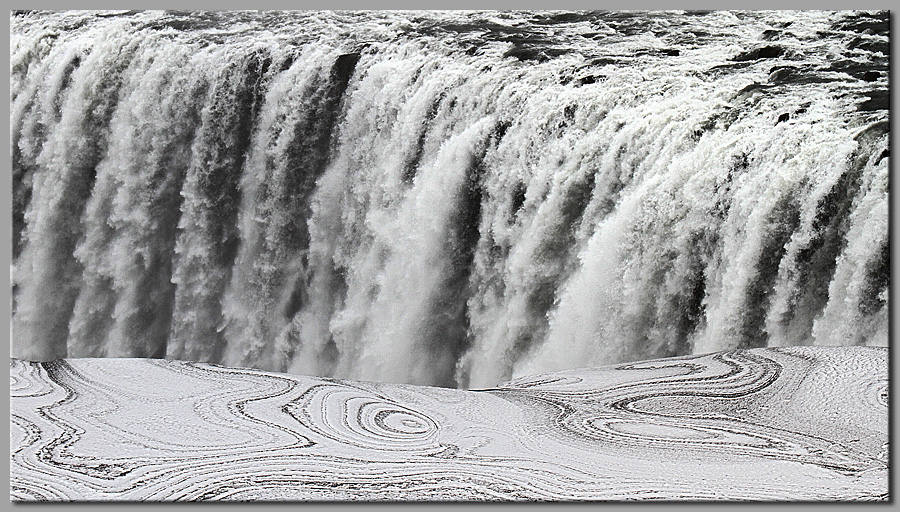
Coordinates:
(449, 199)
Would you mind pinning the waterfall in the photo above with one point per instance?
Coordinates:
(446, 198)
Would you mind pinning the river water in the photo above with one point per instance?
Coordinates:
(446, 198)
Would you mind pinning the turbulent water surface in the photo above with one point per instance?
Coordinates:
(450, 199)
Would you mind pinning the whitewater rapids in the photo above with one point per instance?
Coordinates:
(450, 199)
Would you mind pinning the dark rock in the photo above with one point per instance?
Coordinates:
(871, 76)
(875, 23)
(873, 132)
(533, 53)
(783, 117)
(858, 69)
(879, 99)
(731, 66)
(525, 54)
(763, 52)
(870, 45)
(671, 52)
(770, 52)
(567, 17)
(750, 90)
(603, 61)
(344, 65)
(782, 74)
(770, 34)
(114, 14)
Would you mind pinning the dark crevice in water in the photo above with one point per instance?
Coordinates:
(554, 251)
(65, 83)
(305, 158)
(297, 299)
(220, 181)
(518, 198)
(284, 193)
(411, 167)
(223, 141)
(76, 174)
(878, 276)
(24, 166)
(22, 176)
(448, 332)
(816, 263)
(783, 221)
(683, 313)
(342, 71)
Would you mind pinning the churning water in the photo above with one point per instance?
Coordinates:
(446, 198)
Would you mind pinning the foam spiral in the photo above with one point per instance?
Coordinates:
(803, 423)
(348, 415)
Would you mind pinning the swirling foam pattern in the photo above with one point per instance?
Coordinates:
(803, 423)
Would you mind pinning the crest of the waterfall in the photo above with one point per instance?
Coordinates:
(446, 198)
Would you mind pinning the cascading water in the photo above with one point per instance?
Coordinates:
(446, 198)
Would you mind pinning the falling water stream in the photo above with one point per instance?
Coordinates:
(446, 198)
